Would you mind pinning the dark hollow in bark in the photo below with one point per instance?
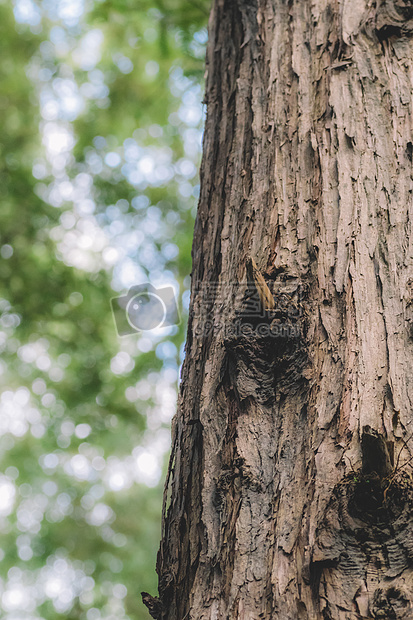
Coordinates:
(375, 453)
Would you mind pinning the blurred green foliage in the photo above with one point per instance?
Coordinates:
(101, 122)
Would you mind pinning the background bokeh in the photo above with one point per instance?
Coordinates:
(101, 117)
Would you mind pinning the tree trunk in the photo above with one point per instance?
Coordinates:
(289, 493)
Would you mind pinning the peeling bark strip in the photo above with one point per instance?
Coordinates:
(255, 277)
(283, 498)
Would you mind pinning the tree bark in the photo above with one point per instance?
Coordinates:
(289, 494)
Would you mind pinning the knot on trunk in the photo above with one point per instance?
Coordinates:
(394, 18)
(362, 534)
(266, 339)
(263, 351)
(390, 604)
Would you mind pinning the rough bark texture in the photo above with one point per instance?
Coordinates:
(287, 495)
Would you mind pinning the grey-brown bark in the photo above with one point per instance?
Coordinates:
(282, 499)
